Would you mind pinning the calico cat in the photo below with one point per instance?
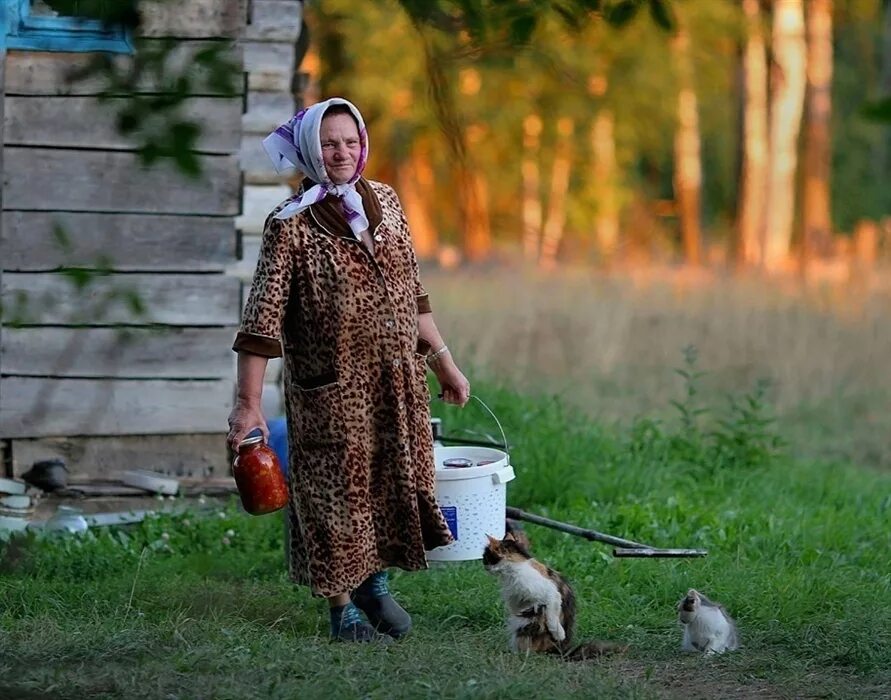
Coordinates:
(707, 626)
(540, 603)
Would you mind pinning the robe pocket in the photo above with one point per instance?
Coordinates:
(319, 415)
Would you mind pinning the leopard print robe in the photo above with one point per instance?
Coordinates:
(361, 472)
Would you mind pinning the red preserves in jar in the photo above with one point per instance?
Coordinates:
(258, 475)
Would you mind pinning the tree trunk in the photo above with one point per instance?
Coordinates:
(470, 187)
(603, 146)
(475, 203)
(415, 190)
(816, 212)
(531, 188)
(556, 218)
(883, 156)
(787, 104)
(753, 175)
(687, 154)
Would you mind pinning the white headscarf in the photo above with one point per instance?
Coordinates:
(297, 144)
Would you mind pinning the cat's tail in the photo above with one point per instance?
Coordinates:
(593, 649)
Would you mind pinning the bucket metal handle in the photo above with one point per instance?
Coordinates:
(497, 422)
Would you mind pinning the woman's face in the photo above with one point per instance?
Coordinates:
(340, 147)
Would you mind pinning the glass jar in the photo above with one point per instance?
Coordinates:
(258, 475)
(67, 519)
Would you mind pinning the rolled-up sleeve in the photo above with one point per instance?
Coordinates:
(261, 321)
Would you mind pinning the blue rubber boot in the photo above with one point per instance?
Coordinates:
(384, 614)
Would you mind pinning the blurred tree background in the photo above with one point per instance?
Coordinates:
(739, 132)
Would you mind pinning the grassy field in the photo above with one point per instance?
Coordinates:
(582, 376)
(198, 606)
(608, 346)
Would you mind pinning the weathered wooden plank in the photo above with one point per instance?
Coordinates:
(256, 166)
(178, 455)
(265, 111)
(196, 19)
(46, 179)
(259, 200)
(145, 353)
(29, 241)
(275, 20)
(173, 299)
(41, 407)
(84, 123)
(2, 225)
(270, 66)
(244, 268)
(29, 73)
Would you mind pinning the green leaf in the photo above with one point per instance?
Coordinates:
(621, 13)
(522, 28)
(663, 14)
(879, 111)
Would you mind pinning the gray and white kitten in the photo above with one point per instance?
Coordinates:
(707, 626)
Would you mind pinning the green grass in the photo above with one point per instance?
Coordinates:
(799, 554)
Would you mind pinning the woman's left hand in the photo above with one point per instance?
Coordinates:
(453, 384)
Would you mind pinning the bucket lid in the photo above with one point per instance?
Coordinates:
(499, 460)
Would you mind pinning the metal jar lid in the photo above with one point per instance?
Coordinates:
(253, 440)
(457, 463)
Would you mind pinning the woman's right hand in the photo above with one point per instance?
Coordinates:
(242, 420)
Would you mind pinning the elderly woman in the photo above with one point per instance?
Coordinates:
(337, 293)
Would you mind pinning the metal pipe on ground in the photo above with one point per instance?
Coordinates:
(624, 548)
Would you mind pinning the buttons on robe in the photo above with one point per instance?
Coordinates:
(378, 238)
(395, 363)
(389, 324)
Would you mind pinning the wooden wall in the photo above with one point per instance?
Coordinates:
(269, 57)
(132, 368)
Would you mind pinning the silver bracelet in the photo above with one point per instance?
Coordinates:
(433, 357)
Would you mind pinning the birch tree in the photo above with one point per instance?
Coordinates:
(753, 174)
(787, 103)
(816, 215)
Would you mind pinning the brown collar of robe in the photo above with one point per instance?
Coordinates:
(329, 211)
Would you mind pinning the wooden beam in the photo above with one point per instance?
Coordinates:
(275, 20)
(196, 19)
(46, 179)
(265, 112)
(259, 200)
(106, 456)
(44, 407)
(178, 455)
(145, 353)
(82, 122)
(31, 240)
(257, 166)
(175, 299)
(30, 73)
(270, 66)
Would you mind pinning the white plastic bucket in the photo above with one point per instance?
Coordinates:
(472, 499)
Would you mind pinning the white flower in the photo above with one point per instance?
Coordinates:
(165, 536)
(230, 533)
(226, 541)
